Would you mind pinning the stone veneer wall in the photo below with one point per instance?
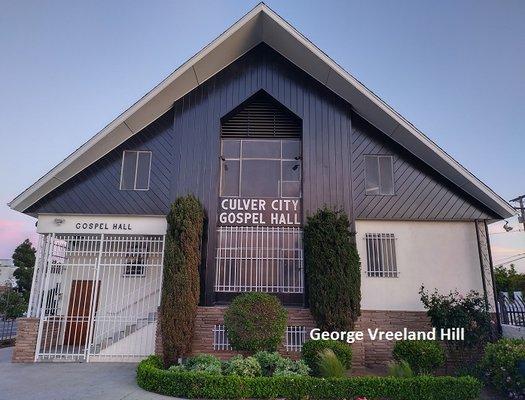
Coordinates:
(26, 338)
(366, 353)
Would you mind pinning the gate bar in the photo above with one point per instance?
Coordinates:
(94, 295)
(44, 289)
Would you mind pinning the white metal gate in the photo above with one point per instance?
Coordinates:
(97, 296)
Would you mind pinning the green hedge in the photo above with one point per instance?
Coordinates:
(151, 377)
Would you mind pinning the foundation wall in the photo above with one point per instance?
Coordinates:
(364, 354)
(26, 338)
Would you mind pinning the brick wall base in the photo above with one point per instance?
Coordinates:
(371, 354)
(26, 338)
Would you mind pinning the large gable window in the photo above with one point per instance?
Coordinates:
(135, 173)
(265, 168)
(379, 175)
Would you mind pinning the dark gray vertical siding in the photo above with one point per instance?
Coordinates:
(326, 135)
(186, 141)
(420, 194)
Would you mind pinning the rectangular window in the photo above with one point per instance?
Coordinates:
(259, 259)
(379, 175)
(295, 338)
(261, 168)
(136, 170)
(136, 259)
(220, 338)
(381, 255)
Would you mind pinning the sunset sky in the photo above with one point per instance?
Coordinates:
(454, 69)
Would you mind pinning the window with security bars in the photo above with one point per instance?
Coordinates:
(220, 338)
(295, 338)
(381, 255)
(259, 259)
(136, 258)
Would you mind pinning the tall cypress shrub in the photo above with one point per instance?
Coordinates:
(180, 288)
(333, 270)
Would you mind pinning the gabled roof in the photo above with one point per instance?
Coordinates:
(262, 24)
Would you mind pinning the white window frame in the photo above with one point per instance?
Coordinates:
(295, 337)
(381, 255)
(377, 157)
(240, 159)
(136, 169)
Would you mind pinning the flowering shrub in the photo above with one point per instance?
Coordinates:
(240, 366)
(454, 310)
(273, 364)
(205, 363)
(500, 366)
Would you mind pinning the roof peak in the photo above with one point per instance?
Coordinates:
(262, 24)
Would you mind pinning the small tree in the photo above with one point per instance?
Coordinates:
(180, 290)
(24, 259)
(12, 304)
(333, 270)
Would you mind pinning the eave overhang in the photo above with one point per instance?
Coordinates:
(262, 24)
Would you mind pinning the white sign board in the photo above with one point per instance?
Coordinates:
(121, 224)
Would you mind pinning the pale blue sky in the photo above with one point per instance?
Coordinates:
(456, 69)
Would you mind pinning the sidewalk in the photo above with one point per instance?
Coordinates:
(65, 381)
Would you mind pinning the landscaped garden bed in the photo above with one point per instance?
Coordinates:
(197, 384)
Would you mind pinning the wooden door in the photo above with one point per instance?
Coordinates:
(77, 324)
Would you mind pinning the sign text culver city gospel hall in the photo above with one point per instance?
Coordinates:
(269, 212)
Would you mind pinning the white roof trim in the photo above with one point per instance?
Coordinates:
(262, 24)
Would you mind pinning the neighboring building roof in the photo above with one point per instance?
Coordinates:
(6, 262)
(262, 24)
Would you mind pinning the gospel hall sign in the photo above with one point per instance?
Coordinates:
(268, 212)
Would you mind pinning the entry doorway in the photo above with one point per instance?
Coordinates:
(79, 310)
(97, 296)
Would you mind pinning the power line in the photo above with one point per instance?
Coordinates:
(513, 231)
(521, 208)
(503, 261)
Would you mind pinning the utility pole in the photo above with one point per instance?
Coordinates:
(521, 209)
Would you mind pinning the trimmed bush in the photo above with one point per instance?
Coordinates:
(201, 385)
(180, 285)
(312, 348)
(333, 270)
(423, 356)
(255, 321)
(240, 366)
(500, 366)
